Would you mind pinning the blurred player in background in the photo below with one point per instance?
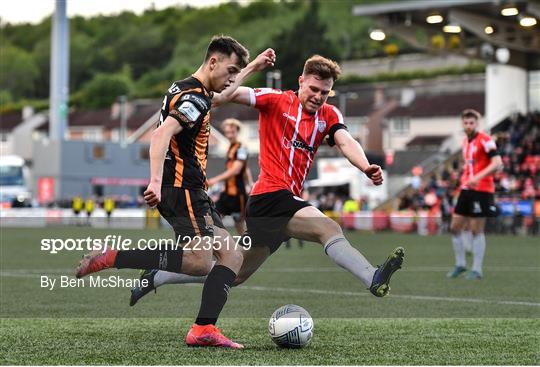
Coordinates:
(178, 156)
(233, 198)
(476, 200)
(292, 126)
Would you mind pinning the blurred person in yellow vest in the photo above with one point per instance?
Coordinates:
(89, 208)
(351, 206)
(77, 205)
(108, 206)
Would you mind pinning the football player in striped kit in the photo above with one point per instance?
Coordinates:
(292, 125)
(476, 199)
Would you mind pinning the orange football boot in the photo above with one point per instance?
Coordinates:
(95, 261)
(209, 336)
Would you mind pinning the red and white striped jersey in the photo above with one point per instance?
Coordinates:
(289, 138)
(477, 154)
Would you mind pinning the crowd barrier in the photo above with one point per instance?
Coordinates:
(524, 214)
(406, 221)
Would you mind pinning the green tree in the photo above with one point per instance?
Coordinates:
(304, 39)
(104, 89)
(42, 56)
(18, 71)
(81, 58)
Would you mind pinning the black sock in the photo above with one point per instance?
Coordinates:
(170, 260)
(214, 295)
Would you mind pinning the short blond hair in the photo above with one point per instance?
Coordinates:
(234, 122)
(322, 67)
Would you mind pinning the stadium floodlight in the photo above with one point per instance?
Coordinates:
(487, 51)
(377, 35)
(527, 21)
(502, 55)
(452, 28)
(489, 29)
(509, 11)
(434, 19)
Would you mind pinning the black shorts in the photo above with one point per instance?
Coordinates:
(232, 205)
(191, 213)
(267, 216)
(477, 204)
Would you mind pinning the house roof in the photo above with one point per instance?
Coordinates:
(441, 105)
(8, 121)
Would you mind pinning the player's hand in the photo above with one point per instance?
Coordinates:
(264, 59)
(152, 195)
(211, 182)
(374, 173)
(473, 183)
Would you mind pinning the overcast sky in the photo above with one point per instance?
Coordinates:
(33, 11)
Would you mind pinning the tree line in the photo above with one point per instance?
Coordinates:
(140, 55)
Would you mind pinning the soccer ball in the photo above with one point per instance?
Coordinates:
(291, 327)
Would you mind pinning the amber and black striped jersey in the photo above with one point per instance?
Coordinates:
(235, 185)
(189, 102)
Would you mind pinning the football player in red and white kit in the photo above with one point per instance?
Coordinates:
(476, 199)
(292, 126)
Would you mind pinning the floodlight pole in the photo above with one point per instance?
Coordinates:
(59, 89)
(123, 121)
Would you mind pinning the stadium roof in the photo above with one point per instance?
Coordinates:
(479, 27)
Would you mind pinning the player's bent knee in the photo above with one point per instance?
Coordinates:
(476, 232)
(238, 281)
(241, 278)
(231, 258)
(327, 229)
(455, 228)
(197, 263)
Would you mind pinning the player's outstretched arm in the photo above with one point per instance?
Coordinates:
(235, 169)
(353, 151)
(159, 143)
(237, 94)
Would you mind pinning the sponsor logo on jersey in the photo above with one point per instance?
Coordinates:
(289, 116)
(297, 144)
(189, 110)
(182, 117)
(241, 154)
(199, 101)
(262, 91)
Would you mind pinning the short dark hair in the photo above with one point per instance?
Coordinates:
(226, 45)
(322, 67)
(470, 113)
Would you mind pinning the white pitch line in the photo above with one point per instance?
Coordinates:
(404, 296)
(335, 269)
(304, 269)
(24, 273)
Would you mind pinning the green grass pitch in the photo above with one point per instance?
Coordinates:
(426, 320)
